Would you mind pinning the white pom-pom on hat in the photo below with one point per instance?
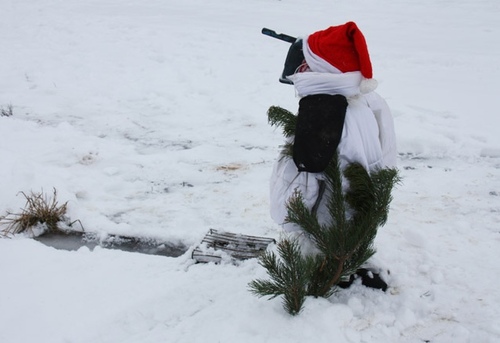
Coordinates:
(368, 85)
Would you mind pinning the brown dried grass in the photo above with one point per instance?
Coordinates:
(40, 209)
(6, 112)
(229, 167)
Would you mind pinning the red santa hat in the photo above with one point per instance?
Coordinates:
(344, 47)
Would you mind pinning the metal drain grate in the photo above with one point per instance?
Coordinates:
(216, 244)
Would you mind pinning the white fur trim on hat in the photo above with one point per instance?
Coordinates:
(368, 85)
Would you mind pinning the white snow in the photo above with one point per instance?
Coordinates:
(149, 118)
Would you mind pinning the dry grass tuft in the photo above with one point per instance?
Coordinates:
(229, 167)
(6, 112)
(40, 210)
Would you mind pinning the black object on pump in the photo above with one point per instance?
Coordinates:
(294, 59)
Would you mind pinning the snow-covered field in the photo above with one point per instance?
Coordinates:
(149, 118)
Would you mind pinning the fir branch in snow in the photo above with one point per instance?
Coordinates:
(289, 275)
(299, 214)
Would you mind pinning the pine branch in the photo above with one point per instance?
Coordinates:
(336, 277)
(361, 194)
(278, 116)
(287, 150)
(265, 288)
(369, 196)
(384, 181)
(299, 214)
(289, 276)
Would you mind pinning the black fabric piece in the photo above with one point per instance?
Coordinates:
(368, 279)
(319, 128)
(294, 59)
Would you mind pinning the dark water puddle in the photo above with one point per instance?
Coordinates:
(75, 240)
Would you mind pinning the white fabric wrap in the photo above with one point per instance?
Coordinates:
(368, 138)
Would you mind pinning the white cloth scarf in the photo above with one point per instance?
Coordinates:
(309, 83)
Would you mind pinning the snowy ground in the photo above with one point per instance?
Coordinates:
(149, 118)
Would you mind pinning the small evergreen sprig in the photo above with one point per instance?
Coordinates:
(278, 116)
(290, 275)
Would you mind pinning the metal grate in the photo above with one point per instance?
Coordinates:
(239, 247)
